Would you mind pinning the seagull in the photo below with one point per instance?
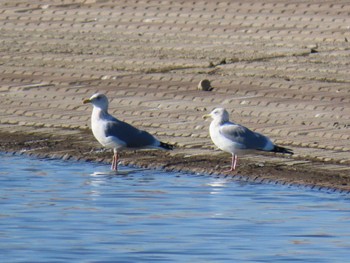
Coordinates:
(116, 134)
(235, 138)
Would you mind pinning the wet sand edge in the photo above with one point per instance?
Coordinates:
(78, 147)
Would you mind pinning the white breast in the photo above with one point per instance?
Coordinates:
(98, 126)
(221, 141)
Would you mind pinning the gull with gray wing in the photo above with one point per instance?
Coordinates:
(116, 134)
(235, 138)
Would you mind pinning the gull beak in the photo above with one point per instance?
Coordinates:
(206, 116)
(86, 101)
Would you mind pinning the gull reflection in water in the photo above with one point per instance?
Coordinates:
(217, 185)
(96, 180)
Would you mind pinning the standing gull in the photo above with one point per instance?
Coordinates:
(117, 135)
(234, 138)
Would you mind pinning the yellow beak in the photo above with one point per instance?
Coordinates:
(86, 101)
(206, 116)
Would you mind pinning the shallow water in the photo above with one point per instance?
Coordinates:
(56, 211)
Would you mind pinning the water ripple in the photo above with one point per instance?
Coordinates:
(55, 211)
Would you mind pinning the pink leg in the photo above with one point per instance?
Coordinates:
(115, 161)
(233, 163)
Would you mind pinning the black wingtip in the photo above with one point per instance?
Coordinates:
(166, 146)
(279, 149)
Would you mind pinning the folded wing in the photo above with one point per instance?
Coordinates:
(133, 137)
(245, 138)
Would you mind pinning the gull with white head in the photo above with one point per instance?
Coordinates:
(235, 138)
(116, 134)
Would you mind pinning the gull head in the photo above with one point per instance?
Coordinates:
(98, 100)
(218, 114)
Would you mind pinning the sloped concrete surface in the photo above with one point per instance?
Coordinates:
(279, 67)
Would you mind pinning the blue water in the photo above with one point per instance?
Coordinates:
(56, 211)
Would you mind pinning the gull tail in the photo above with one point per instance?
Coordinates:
(166, 146)
(279, 149)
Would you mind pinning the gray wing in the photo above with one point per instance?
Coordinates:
(133, 137)
(244, 137)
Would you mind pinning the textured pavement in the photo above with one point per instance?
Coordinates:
(280, 68)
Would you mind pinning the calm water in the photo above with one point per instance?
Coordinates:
(55, 211)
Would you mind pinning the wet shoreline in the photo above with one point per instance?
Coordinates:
(263, 172)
